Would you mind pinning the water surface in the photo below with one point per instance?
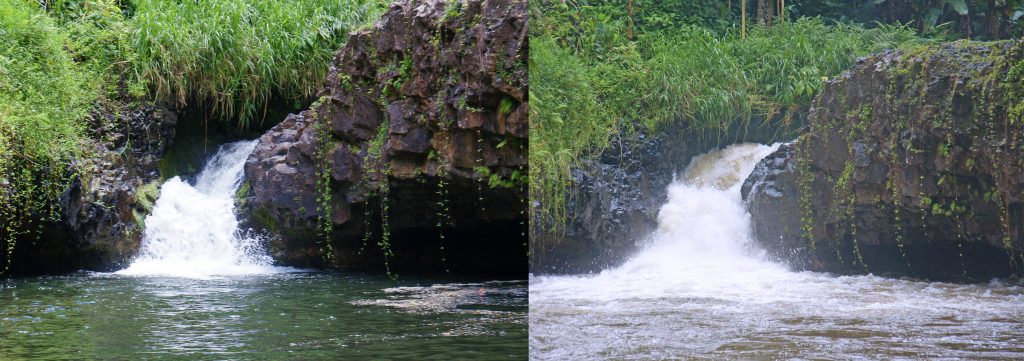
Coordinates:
(295, 315)
(702, 289)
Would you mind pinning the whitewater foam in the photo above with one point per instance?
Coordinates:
(703, 289)
(193, 231)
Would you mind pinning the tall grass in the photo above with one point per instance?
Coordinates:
(567, 113)
(233, 56)
(788, 60)
(588, 83)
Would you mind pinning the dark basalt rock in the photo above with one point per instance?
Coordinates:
(101, 214)
(613, 205)
(912, 166)
(428, 99)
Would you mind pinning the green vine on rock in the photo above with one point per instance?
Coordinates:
(443, 212)
(805, 181)
(378, 172)
(480, 166)
(322, 159)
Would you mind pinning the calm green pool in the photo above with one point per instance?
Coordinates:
(294, 315)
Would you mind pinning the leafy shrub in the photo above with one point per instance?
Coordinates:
(43, 95)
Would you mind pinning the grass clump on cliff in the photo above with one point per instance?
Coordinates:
(233, 56)
(593, 77)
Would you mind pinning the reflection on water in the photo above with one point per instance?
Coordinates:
(291, 315)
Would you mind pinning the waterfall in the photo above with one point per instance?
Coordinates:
(704, 228)
(193, 231)
(703, 244)
(703, 289)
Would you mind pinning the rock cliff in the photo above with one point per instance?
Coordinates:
(99, 220)
(912, 166)
(414, 156)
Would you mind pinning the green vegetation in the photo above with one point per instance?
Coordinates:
(61, 59)
(235, 55)
(324, 204)
(985, 20)
(949, 19)
(44, 96)
(595, 73)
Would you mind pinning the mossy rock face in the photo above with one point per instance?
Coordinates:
(102, 214)
(389, 164)
(145, 197)
(912, 166)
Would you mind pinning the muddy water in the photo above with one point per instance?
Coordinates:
(701, 289)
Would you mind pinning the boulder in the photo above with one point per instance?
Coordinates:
(414, 156)
(912, 166)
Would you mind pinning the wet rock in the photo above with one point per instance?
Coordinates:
(100, 220)
(422, 126)
(912, 166)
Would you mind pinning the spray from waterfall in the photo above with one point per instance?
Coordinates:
(704, 226)
(193, 231)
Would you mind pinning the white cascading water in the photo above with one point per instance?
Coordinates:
(702, 288)
(193, 231)
(704, 229)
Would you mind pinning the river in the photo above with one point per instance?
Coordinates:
(702, 289)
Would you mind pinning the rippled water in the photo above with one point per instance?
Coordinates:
(703, 290)
(297, 315)
(803, 315)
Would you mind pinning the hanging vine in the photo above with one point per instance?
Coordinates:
(379, 172)
(443, 213)
(324, 204)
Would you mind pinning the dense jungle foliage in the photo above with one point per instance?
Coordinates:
(61, 59)
(602, 67)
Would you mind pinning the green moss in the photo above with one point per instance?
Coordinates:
(495, 180)
(505, 106)
(265, 218)
(452, 10)
(345, 80)
(242, 195)
(145, 197)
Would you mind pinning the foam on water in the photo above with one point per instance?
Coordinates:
(193, 231)
(703, 288)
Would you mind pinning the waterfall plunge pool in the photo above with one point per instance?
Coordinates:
(293, 315)
(703, 290)
(201, 288)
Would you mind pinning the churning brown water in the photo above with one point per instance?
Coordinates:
(703, 290)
